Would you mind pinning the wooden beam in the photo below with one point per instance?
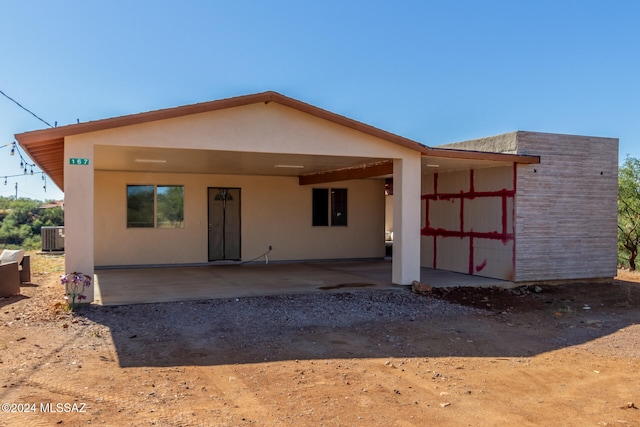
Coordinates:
(360, 172)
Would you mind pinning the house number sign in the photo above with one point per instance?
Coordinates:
(78, 161)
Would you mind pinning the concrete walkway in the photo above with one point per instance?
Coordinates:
(164, 284)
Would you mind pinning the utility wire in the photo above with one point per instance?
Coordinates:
(25, 109)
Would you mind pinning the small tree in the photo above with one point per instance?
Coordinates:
(629, 212)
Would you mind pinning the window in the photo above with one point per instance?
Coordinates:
(329, 207)
(140, 206)
(150, 206)
(320, 207)
(339, 206)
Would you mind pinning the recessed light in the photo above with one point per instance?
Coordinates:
(150, 161)
(289, 166)
(433, 166)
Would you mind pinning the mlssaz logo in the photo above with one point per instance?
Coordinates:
(63, 407)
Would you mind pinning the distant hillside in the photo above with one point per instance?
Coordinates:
(22, 219)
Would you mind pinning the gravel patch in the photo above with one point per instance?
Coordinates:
(300, 311)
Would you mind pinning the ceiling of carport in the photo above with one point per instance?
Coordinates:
(115, 158)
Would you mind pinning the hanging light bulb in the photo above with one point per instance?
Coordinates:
(21, 164)
(31, 170)
(5, 180)
(13, 149)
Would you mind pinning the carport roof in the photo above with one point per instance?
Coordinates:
(46, 146)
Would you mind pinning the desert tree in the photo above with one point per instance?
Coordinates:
(629, 212)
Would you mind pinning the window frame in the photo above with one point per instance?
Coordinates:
(329, 207)
(155, 203)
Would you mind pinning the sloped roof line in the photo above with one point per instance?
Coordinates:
(28, 138)
(46, 146)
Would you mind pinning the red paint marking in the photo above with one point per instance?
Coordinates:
(469, 195)
(462, 215)
(435, 251)
(435, 239)
(490, 235)
(426, 209)
(513, 223)
(471, 248)
(505, 235)
(504, 217)
(471, 255)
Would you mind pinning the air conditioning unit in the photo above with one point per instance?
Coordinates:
(52, 238)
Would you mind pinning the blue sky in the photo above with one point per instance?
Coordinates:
(435, 72)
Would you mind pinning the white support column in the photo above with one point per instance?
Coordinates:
(78, 211)
(405, 266)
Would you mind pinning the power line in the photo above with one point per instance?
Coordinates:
(25, 108)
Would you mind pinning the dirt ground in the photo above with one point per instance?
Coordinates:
(565, 355)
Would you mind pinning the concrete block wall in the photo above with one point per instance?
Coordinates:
(566, 208)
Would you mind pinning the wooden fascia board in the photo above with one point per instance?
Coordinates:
(365, 171)
(480, 155)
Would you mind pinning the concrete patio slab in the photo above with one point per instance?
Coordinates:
(165, 284)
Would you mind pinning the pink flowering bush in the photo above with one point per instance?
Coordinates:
(74, 283)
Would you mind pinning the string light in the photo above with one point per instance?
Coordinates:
(42, 174)
(21, 174)
(24, 164)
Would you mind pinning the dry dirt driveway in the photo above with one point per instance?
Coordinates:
(567, 355)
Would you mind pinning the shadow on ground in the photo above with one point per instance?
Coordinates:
(465, 322)
(5, 301)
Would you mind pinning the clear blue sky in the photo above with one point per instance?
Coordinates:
(435, 72)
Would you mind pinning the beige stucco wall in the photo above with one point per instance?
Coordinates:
(262, 128)
(275, 211)
(79, 211)
(480, 212)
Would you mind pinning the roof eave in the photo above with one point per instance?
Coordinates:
(480, 155)
(51, 141)
(75, 129)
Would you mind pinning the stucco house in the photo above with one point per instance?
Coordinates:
(229, 180)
